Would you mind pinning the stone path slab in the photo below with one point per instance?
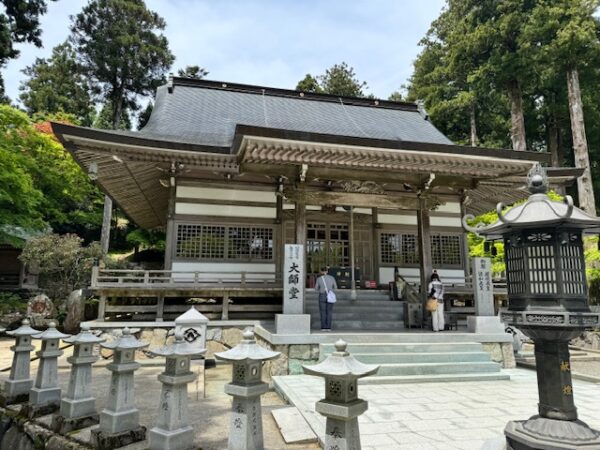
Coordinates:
(437, 416)
(294, 429)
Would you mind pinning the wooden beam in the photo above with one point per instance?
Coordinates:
(424, 241)
(358, 199)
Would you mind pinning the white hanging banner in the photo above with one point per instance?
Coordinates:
(293, 279)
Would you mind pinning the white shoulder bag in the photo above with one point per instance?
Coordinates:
(331, 298)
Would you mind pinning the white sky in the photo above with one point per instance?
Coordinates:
(272, 42)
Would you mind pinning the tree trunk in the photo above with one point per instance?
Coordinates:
(117, 110)
(517, 120)
(580, 147)
(473, 123)
(552, 128)
(106, 219)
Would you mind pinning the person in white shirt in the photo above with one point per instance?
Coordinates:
(436, 290)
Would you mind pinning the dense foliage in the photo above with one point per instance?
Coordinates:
(41, 186)
(339, 79)
(62, 262)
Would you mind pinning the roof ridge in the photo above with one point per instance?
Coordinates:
(289, 93)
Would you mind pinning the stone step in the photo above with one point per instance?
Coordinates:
(368, 315)
(362, 324)
(418, 358)
(359, 297)
(432, 347)
(440, 378)
(405, 337)
(438, 368)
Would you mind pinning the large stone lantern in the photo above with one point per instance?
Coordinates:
(246, 431)
(341, 405)
(547, 292)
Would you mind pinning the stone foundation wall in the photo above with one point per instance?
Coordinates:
(501, 352)
(17, 433)
(291, 360)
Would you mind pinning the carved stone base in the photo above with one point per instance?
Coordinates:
(181, 439)
(33, 411)
(539, 433)
(6, 400)
(106, 441)
(63, 425)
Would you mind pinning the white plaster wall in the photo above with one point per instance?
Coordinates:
(450, 207)
(211, 271)
(225, 194)
(411, 275)
(445, 222)
(397, 219)
(225, 210)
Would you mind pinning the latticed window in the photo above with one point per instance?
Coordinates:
(445, 250)
(403, 249)
(399, 248)
(253, 243)
(199, 241)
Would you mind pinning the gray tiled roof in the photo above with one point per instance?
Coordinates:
(204, 113)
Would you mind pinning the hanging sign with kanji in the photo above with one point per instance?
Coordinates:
(293, 279)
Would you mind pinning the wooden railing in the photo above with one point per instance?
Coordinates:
(120, 278)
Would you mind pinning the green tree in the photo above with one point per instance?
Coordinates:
(104, 118)
(121, 48)
(340, 80)
(62, 262)
(19, 22)
(144, 115)
(40, 184)
(309, 84)
(193, 72)
(58, 85)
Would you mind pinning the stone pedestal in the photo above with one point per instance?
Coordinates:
(172, 430)
(78, 406)
(16, 388)
(44, 396)
(341, 405)
(246, 431)
(485, 324)
(119, 421)
(292, 323)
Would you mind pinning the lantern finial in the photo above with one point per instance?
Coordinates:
(537, 180)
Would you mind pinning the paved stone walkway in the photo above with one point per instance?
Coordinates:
(444, 416)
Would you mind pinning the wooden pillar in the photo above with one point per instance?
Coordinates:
(225, 309)
(170, 231)
(106, 220)
(160, 308)
(424, 241)
(465, 243)
(101, 308)
(279, 243)
(375, 243)
(352, 257)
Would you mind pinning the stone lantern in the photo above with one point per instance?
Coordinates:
(547, 292)
(172, 430)
(341, 405)
(44, 396)
(78, 406)
(16, 388)
(245, 431)
(119, 421)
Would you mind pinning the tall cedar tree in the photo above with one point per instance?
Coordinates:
(193, 72)
(122, 50)
(58, 85)
(19, 22)
(340, 80)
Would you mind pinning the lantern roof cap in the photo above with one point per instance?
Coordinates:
(191, 316)
(247, 349)
(23, 330)
(341, 363)
(125, 342)
(50, 333)
(178, 348)
(85, 336)
(537, 212)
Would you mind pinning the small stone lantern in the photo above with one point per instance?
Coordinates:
(341, 405)
(119, 421)
(78, 406)
(245, 431)
(16, 388)
(172, 430)
(44, 396)
(547, 293)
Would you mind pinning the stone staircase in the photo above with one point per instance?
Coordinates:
(420, 357)
(372, 310)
